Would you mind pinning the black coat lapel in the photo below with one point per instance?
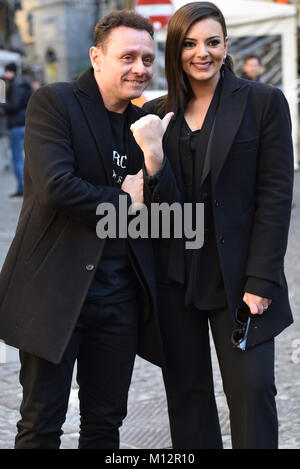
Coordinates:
(89, 97)
(229, 115)
(207, 157)
(171, 147)
(171, 144)
(203, 162)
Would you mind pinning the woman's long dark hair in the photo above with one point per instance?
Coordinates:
(179, 89)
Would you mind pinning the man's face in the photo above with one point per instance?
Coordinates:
(123, 66)
(9, 75)
(252, 68)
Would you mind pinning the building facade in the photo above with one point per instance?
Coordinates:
(57, 34)
(9, 34)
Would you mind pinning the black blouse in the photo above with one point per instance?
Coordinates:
(204, 285)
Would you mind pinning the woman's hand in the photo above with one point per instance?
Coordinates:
(257, 304)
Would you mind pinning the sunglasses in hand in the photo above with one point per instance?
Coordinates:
(243, 319)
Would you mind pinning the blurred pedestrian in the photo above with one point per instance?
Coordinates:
(17, 96)
(228, 147)
(5, 160)
(252, 68)
(36, 84)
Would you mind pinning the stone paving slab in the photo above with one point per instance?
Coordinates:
(146, 424)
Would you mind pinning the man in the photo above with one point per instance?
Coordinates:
(17, 97)
(252, 68)
(65, 294)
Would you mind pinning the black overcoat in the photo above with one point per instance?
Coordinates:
(53, 257)
(250, 161)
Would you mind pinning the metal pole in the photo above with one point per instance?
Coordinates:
(129, 4)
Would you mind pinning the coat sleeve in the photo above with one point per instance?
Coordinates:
(262, 287)
(50, 161)
(274, 192)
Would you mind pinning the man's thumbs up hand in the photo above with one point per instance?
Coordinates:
(166, 120)
(148, 133)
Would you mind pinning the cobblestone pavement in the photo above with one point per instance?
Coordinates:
(146, 425)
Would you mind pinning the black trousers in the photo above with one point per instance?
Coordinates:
(104, 343)
(248, 378)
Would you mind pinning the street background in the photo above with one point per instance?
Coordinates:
(42, 38)
(146, 425)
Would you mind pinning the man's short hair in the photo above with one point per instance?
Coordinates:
(11, 67)
(252, 56)
(128, 18)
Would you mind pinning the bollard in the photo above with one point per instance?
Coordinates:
(2, 352)
(8, 354)
(2, 91)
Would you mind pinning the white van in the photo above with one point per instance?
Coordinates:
(6, 56)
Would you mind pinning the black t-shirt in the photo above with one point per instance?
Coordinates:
(119, 131)
(115, 280)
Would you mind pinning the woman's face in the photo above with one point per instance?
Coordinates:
(203, 51)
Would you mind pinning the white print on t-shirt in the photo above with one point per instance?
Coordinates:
(121, 162)
(117, 179)
(120, 159)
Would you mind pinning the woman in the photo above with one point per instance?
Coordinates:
(228, 146)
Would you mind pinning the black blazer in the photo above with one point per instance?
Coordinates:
(55, 252)
(250, 159)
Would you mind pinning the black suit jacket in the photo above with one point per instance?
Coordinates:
(55, 252)
(250, 161)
